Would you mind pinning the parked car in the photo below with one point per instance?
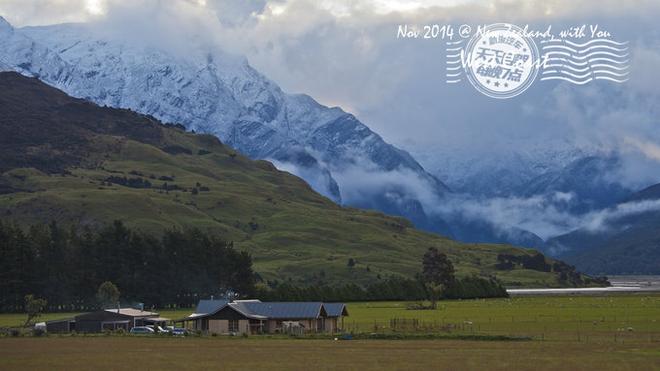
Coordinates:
(179, 331)
(162, 330)
(40, 326)
(158, 329)
(142, 330)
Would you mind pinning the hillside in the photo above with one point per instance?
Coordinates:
(68, 160)
(628, 242)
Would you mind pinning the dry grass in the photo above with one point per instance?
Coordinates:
(107, 353)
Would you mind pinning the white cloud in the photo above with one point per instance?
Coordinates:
(602, 220)
(649, 149)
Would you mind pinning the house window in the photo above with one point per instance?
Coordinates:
(233, 325)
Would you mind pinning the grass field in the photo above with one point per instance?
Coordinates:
(108, 353)
(612, 318)
(567, 332)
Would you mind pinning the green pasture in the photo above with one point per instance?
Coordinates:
(617, 332)
(611, 318)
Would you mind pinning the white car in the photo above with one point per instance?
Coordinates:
(142, 330)
(161, 330)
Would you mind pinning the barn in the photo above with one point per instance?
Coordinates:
(106, 319)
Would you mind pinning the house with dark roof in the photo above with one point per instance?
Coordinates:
(254, 317)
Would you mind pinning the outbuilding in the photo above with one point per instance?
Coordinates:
(107, 319)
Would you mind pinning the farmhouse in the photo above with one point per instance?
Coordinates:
(107, 319)
(254, 317)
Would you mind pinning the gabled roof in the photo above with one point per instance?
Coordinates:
(210, 306)
(336, 309)
(131, 312)
(218, 307)
(256, 309)
(281, 310)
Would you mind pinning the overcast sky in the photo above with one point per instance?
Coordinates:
(345, 53)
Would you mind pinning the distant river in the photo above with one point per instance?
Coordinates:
(619, 284)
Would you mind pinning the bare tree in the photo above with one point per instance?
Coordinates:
(33, 307)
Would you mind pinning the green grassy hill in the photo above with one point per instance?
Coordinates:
(68, 160)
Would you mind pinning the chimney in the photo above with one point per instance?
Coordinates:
(211, 297)
(118, 307)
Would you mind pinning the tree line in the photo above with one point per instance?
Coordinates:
(72, 269)
(436, 281)
(567, 274)
(390, 289)
(65, 266)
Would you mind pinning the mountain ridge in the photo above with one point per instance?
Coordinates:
(625, 241)
(69, 160)
(210, 91)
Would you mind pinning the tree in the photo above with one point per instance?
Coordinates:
(437, 273)
(33, 307)
(175, 268)
(108, 294)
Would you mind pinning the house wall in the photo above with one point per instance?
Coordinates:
(92, 321)
(244, 326)
(57, 327)
(88, 326)
(219, 326)
(326, 325)
(331, 324)
(270, 326)
(219, 322)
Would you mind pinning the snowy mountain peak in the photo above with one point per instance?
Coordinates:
(211, 91)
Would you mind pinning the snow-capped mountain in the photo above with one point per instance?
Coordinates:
(211, 91)
(526, 195)
(501, 173)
